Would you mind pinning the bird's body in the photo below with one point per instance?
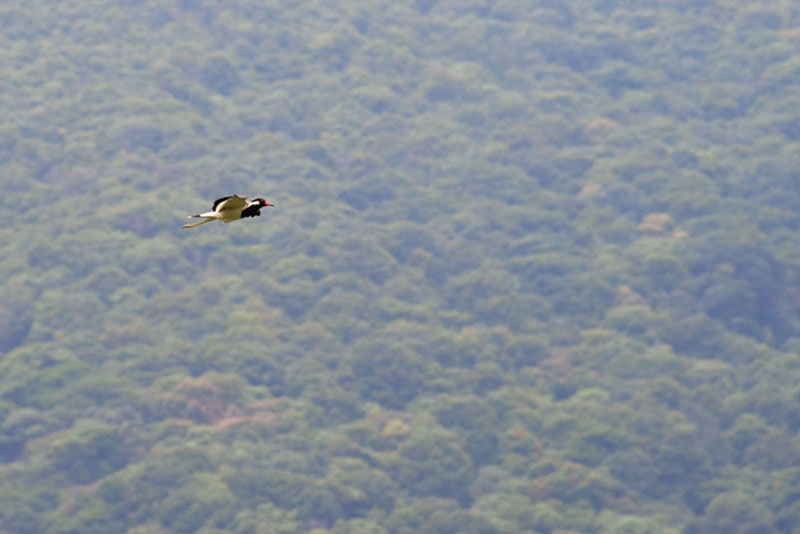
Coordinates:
(230, 208)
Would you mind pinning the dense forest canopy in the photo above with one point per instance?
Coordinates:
(533, 267)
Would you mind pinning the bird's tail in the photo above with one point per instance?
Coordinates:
(192, 225)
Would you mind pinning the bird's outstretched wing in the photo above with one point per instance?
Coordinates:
(234, 202)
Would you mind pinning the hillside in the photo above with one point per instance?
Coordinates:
(533, 267)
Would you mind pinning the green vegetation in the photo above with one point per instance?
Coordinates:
(533, 267)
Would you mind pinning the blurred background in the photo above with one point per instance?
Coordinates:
(533, 267)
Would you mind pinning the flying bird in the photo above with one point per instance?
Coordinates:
(227, 209)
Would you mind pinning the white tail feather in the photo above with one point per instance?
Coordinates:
(192, 225)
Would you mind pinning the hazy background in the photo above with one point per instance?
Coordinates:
(533, 267)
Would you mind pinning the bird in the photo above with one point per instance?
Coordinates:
(230, 208)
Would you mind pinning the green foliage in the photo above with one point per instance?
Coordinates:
(89, 451)
(389, 374)
(204, 500)
(473, 418)
(218, 75)
(532, 267)
(735, 512)
(434, 464)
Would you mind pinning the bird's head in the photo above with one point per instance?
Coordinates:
(263, 203)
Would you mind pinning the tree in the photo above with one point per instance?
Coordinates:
(219, 75)
(734, 512)
(90, 451)
(432, 463)
(475, 421)
(206, 499)
(387, 373)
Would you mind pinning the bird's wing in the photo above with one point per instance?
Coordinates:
(234, 202)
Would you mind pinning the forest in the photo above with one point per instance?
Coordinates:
(533, 267)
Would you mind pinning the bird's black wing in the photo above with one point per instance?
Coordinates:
(217, 202)
(230, 202)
